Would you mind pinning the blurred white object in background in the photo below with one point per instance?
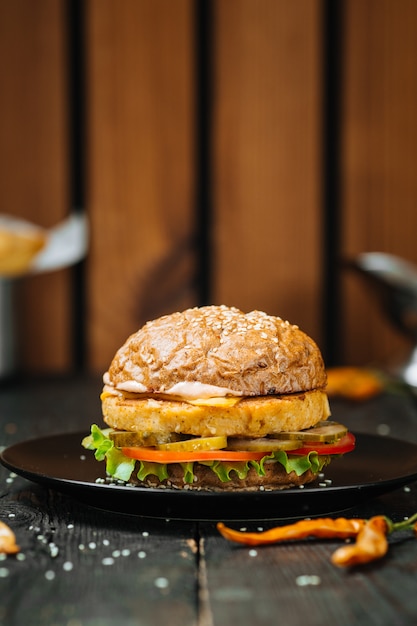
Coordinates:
(66, 244)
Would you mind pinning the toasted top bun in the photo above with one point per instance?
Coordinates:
(217, 351)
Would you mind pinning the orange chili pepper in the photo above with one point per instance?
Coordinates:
(371, 544)
(7, 540)
(324, 528)
(354, 383)
(371, 535)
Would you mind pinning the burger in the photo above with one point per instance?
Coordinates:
(213, 398)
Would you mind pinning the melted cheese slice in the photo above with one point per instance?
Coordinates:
(222, 402)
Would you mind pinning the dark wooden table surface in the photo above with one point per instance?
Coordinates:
(82, 566)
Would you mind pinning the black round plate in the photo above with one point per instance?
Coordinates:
(376, 466)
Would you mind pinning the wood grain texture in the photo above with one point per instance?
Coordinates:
(379, 158)
(267, 176)
(33, 163)
(296, 580)
(252, 586)
(266, 162)
(140, 166)
(83, 565)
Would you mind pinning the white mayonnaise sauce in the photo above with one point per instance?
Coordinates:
(194, 390)
(188, 390)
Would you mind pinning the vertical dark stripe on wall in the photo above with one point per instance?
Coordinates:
(203, 85)
(76, 139)
(332, 72)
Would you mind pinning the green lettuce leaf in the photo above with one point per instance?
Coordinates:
(188, 469)
(98, 441)
(299, 464)
(147, 468)
(118, 465)
(121, 467)
(223, 469)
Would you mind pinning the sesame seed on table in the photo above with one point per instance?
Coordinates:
(78, 564)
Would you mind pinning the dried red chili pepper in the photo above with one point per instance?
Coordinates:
(324, 528)
(7, 540)
(371, 544)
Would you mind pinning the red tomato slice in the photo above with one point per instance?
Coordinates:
(161, 456)
(345, 444)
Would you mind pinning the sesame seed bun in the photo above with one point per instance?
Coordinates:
(251, 354)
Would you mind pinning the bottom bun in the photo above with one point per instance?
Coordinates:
(205, 479)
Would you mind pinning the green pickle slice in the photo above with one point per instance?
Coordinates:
(262, 444)
(325, 432)
(130, 439)
(195, 444)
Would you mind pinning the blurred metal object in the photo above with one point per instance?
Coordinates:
(394, 281)
(7, 328)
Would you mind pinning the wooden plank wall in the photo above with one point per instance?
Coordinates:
(142, 160)
(379, 159)
(140, 121)
(34, 177)
(267, 158)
